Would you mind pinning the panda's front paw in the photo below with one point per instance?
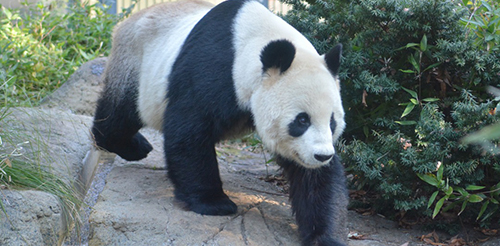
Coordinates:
(137, 149)
(220, 205)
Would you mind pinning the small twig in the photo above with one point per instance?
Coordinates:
(265, 192)
(46, 34)
(490, 191)
(382, 156)
(467, 239)
(265, 159)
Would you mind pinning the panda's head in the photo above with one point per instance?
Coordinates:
(297, 109)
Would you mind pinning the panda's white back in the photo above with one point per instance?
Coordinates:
(166, 27)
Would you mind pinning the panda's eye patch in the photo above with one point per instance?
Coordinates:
(333, 124)
(299, 125)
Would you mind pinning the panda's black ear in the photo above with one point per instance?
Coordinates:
(277, 54)
(332, 59)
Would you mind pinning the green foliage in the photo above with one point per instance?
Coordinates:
(484, 21)
(489, 134)
(457, 195)
(419, 55)
(42, 47)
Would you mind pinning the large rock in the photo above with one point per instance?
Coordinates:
(33, 218)
(50, 137)
(54, 140)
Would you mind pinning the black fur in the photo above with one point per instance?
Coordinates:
(333, 124)
(299, 125)
(116, 121)
(332, 59)
(202, 107)
(319, 201)
(277, 54)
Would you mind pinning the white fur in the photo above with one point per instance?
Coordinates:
(275, 99)
(160, 52)
(255, 26)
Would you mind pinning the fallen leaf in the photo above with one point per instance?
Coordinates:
(7, 161)
(355, 235)
(431, 238)
(489, 232)
(364, 211)
(363, 99)
(484, 240)
(457, 242)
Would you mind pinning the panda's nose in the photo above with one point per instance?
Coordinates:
(323, 158)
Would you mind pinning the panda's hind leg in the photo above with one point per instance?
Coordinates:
(116, 126)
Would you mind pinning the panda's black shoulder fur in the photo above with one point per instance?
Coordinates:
(201, 78)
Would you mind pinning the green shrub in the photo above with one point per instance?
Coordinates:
(484, 21)
(41, 48)
(413, 85)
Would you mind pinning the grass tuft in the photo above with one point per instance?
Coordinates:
(20, 171)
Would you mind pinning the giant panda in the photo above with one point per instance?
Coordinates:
(201, 74)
